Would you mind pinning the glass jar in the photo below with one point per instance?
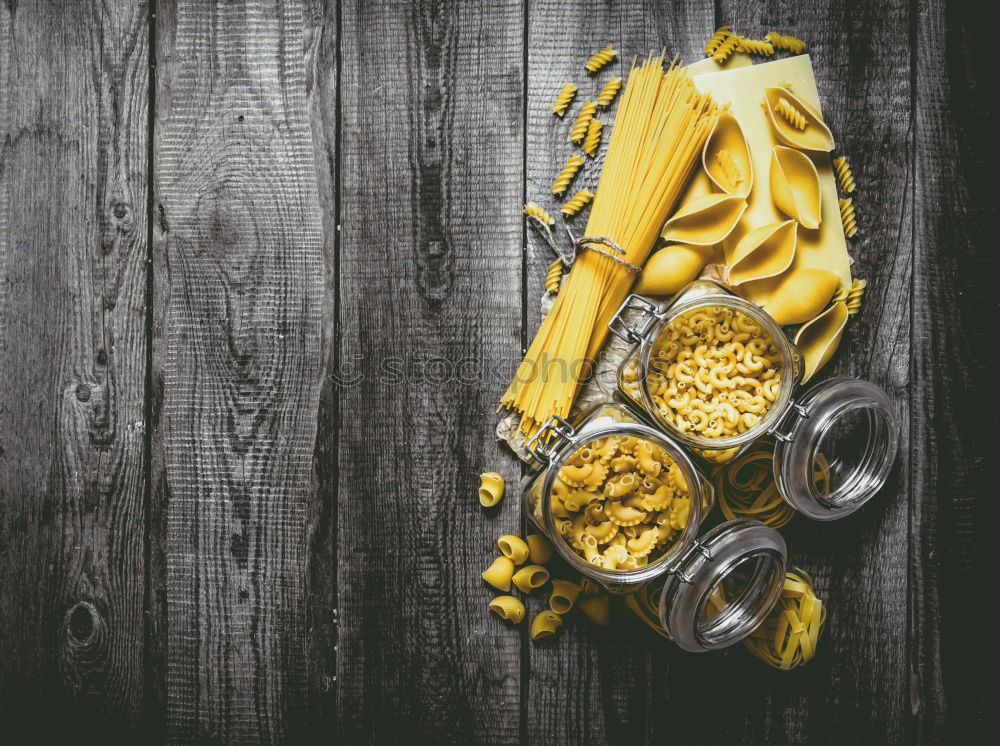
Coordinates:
(714, 591)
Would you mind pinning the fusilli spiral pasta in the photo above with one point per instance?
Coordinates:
(755, 46)
(554, 277)
(844, 174)
(593, 140)
(720, 35)
(579, 130)
(790, 114)
(600, 59)
(539, 213)
(566, 175)
(564, 99)
(728, 166)
(730, 45)
(848, 217)
(608, 93)
(851, 296)
(576, 203)
(783, 41)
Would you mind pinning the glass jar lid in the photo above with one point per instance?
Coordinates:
(724, 587)
(835, 448)
(619, 501)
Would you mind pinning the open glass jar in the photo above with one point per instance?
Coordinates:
(715, 590)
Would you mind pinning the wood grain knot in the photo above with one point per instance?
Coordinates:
(84, 657)
(83, 392)
(120, 210)
(82, 623)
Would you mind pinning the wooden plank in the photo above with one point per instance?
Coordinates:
(430, 312)
(73, 351)
(589, 686)
(955, 354)
(238, 310)
(859, 564)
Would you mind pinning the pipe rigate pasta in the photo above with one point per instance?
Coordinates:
(801, 295)
(539, 213)
(764, 252)
(714, 372)
(756, 46)
(539, 549)
(725, 49)
(789, 636)
(509, 608)
(583, 119)
(553, 277)
(499, 573)
(844, 174)
(818, 339)
(705, 220)
(566, 175)
(609, 91)
(597, 609)
(513, 548)
(848, 218)
(795, 122)
(490, 489)
(564, 595)
(545, 624)
(795, 186)
(784, 41)
(600, 59)
(593, 139)
(672, 268)
(530, 577)
(576, 203)
(564, 99)
(721, 34)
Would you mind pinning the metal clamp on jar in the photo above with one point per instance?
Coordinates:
(716, 590)
(846, 428)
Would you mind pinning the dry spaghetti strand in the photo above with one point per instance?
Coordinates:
(661, 126)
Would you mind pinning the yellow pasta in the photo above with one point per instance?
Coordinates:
(499, 574)
(579, 129)
(509, 608)
(755, 46)
(545, 624)
(783, 41)
(530, 577)
(801, 295)
(672, 268)
(539, 549)
(600, 59)
(848, 218)
(745, 488)
(609, 91)
(795, 122)
(554, 277)
(789, 636)
(790, 114)
(725, 49)
(597, 609)
(564, 595)
(720, 35)
(794, 183)
(818, 339)
(533, 210)
(764, 252)
(726, 157)
(851, 296)
(490, 489)
(566, 175)
(593, 139)
(844, 174)
(576, 203)
(513, 548)
(705, 220)
(564, 99)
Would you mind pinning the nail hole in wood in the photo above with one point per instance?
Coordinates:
(102, 357)
(83, 392)
(239, 118)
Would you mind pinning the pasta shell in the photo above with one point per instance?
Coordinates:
(795, 186)
(545, 624)
(509, 608)
(564, 594)
(818, 340)
(597, 609)
(499, 573)
(795, 122)
(530, 577)
(726, 157)
(763, 252)
(490, 489)
(513, 548)
(539, 549)
(671, 268)
(705, 220)
(801, 295)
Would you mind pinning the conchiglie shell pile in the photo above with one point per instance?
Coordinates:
(812, 135)
(795, 186)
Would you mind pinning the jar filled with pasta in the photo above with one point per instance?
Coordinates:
(716, 374)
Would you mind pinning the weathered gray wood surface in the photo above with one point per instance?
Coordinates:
(268, 436)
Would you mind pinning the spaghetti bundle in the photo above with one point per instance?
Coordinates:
(661, 126)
